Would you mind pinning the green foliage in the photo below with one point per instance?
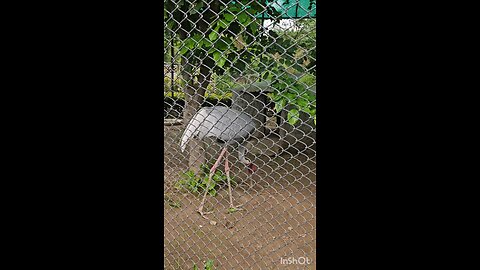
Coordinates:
(292, 91)
(211, 96)
(308, 80)
(173, 203)
(287, 63)
(198, 185)
(223, 30)
(232, 210)
(176, 95)
(221, 85)
(208, 265)
(220, 88)
(167, 84)
(234, 41)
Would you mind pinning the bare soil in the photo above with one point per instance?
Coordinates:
(278, 220)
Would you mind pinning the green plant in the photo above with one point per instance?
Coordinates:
(286, 59)
(178, 84)
(232, 210)
(221, 85)
(289, 74)
(181, 95)
(208, 265)
(290, 91)
(224, 38)
(172, 203)
(198, 184)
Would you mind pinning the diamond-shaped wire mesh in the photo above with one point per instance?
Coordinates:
(235, 80)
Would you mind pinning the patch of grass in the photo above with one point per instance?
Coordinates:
(181, 95)
(173, 203)
(208, 265)
(197, 185)
(232, 210)
(308, 79)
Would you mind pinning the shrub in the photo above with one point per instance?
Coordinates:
(198, 185)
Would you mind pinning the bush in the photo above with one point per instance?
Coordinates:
(221, 85)
(198, 185)
(177, 84)
(212, 97)
(308, 79)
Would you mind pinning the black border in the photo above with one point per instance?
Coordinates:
(86, 114)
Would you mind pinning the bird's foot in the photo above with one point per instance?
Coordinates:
(234, 209)
(203, 214)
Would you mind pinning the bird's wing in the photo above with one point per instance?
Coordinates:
(219, 122)
(192, 128)
(226, 124)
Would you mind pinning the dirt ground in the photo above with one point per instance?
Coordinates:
(276, 225)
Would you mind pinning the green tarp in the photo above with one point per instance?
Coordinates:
(292, 9)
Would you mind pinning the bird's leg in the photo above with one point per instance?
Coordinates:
(227, 171)
(200, 209)
(210, 176)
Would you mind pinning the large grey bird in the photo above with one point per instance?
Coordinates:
(229, 127)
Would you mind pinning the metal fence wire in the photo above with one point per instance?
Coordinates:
(239, 97)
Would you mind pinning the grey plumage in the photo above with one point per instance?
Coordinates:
(227, 125)
(222, 123)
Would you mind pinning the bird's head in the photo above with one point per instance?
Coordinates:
(251, 168)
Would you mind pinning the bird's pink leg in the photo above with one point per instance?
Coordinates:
(212, 172)
(227, 171)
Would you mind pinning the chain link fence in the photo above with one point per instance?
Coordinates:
(240, 76)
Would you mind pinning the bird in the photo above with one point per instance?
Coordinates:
(229, 127)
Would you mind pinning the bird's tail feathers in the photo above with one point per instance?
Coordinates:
(187, 134)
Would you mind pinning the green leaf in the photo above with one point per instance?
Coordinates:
(280, 105)
(183, 50)
(206, 43)
(243, 18)
(228, 17)
(293, 116)
(212, 50)
(233, 8)
(254, 27)
(171, 24)
(303, 103)
(213, 36)
(198, 6)
(265, 75)
(223, 24)
(195, 267)
(216, 56)
(221, 44)
(222, 61)
(291, 96)
(209, 265)
(190, 43)
(197, 38)
(279, 86)
(300, 88)
(277, 97)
